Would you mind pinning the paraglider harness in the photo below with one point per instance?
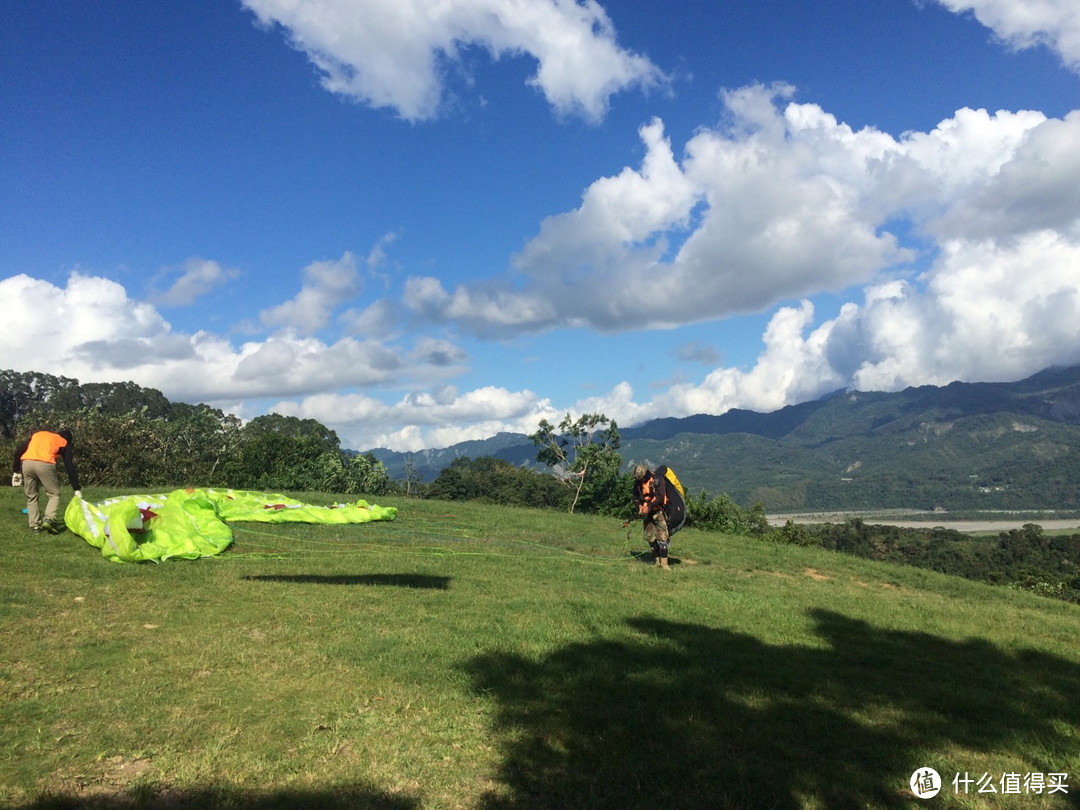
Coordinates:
(673, 503)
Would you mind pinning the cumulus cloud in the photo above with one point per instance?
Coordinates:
(197, 277)
(326, 285)
(783, 202)
(986, 311)
(380, 319)
(786, 202)
(436, 418)
(1037, 188)
(1026, 24)
(46, 324)
(92, 330)
(392, 53)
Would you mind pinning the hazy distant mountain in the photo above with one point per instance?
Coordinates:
(964, 445)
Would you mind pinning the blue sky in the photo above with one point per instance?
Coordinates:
(424, 222)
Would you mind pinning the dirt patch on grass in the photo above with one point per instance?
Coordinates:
(110, 783)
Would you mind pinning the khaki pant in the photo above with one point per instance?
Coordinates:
(40, 475)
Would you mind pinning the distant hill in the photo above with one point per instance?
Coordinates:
(960, 446)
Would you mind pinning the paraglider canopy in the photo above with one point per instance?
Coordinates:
(192, 523)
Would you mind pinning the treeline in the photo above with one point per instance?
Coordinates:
(495, 481)
(127, 436)
(1021, 558)
(133, 437)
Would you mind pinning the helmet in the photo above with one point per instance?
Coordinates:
(640, 471)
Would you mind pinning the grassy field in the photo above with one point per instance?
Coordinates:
(470, 656)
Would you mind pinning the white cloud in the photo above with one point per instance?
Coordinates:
(437, 418)
(790, 368)
(782, 203)
(379, 319)
(392, 53)
(1037, 187)
(1027, 23)
(46, 324)
(197, 278)
(589, 267)
(988, 312)
(327, 285)
(93, 331)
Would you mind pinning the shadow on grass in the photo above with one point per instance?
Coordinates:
(422, 581)
(694, 717)
(648, 558)
(340, 798)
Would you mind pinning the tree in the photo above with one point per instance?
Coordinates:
(365, 474)
(498, 481)
(130, 436)
(118, 399)
(285, 453)
(115, 450)
(23, 393)
(412, 478)
(583, 455)
(197, 441)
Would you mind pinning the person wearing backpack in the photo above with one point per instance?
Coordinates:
(34, 469)
(651, 498)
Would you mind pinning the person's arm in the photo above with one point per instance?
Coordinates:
(16, 464)
(69, 465)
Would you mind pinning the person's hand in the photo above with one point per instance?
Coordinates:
(16, 479)
(78, 494)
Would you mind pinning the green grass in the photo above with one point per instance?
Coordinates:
(470, 656)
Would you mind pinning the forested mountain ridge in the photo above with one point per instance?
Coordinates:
(963, 446)
(960, 446)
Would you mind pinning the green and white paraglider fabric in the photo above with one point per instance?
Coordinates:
(192, 523)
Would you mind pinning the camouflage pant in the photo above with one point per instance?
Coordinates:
(656, 533)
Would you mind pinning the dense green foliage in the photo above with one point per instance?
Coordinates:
(584, 454)
(722, 514)
(130, 436)
(492, 480)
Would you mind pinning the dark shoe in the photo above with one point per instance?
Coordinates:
(35, 529)
(50, 527)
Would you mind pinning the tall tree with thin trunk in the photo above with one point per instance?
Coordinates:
(579, 450)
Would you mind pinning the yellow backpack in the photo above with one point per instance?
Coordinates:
(669, 474)
(675, 508)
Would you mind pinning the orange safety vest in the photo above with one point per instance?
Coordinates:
(44, 446)
(647, 493)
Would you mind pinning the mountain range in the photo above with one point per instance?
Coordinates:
(980, 446)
